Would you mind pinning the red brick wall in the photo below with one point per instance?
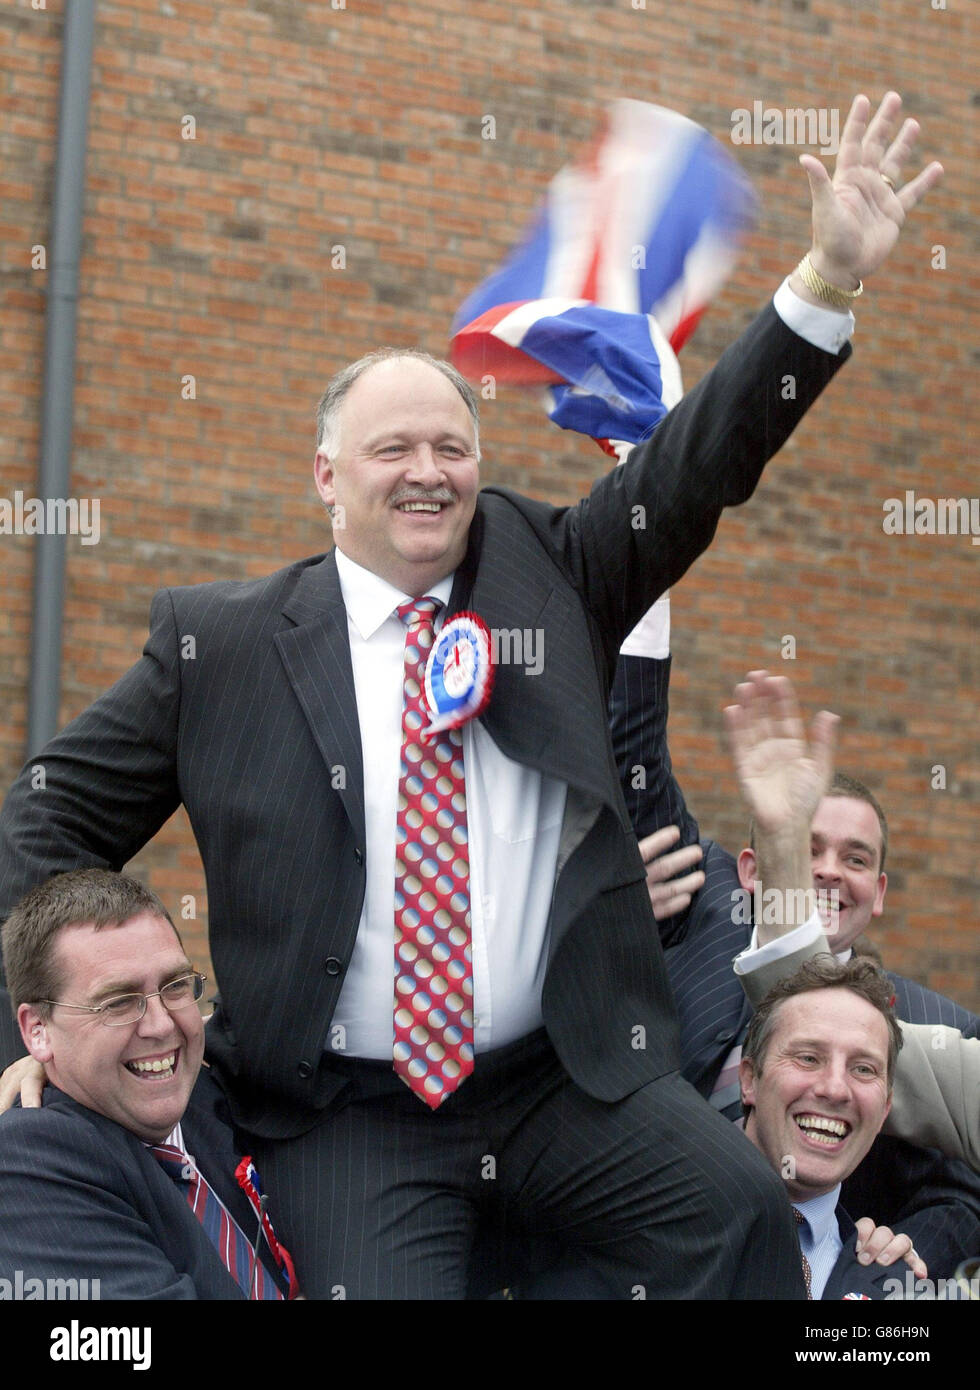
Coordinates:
(361, 127)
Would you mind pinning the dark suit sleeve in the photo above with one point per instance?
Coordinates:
(934, 1200)
(644, 524)
(711, 1008)
(638, 708)
(100, 789)
(69, 1212)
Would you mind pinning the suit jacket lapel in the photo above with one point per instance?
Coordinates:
(554, 720)
(316, 657)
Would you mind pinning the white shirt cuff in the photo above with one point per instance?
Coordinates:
(824, 328)
(755, 956)
(651, 636)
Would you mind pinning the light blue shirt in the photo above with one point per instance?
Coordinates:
(820, 1237)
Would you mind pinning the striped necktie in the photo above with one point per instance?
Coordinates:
(807, 1275)
(222, 1229)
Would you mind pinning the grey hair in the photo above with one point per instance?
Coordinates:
(328, 407)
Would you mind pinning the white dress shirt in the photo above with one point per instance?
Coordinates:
(175, 1139)
(514, 817)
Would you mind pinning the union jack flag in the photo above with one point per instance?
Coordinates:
(631, 244)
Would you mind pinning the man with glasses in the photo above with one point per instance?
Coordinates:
(127, 1178)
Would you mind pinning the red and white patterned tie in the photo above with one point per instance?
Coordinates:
(433, 1047)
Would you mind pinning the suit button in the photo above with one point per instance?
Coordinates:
(359, 856)
(332, 965)
(305, 1070)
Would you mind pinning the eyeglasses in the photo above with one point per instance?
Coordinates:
(130, 1008)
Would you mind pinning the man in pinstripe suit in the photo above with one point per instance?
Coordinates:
(281, 739)
(82, 1195)
(934, 1200)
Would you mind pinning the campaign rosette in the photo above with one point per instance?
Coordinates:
(458, 674)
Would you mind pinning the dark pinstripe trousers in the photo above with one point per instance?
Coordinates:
(653, 1196)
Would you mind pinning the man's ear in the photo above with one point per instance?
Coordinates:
(747, 869)
(746, 1074)
(323, 476)
(34, 1031)
(879, 903)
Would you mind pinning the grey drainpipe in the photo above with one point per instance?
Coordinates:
(59, 368)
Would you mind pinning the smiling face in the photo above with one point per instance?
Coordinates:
(140, 1074)
(845, 854)
(820, 1093)
(404, 475)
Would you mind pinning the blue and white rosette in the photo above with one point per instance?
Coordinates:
(458, 674)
